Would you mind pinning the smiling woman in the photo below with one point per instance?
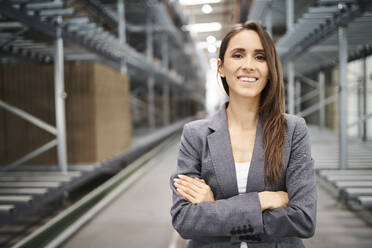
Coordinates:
(245, 175)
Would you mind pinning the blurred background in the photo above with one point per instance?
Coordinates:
(94, 95)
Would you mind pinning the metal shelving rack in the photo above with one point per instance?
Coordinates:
(89, 40)
(327, 35)
(126, 35)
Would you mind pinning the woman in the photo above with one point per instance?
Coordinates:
(245, 175)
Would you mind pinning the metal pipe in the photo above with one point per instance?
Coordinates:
(122, 33)
(290, 79)
(31, 155)
(316, 106)
(364, 92)
(164, 48)
(321, 79)
(268, 20)
(342, 99)
(298, 95)
(150, 78)
(26, 116)
(290, 15)
(60, 95)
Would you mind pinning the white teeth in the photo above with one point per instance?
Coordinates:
(248, 79)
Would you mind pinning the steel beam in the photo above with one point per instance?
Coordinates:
(268, 21)
(30, 155)
(324, 29)
(364, 99)
(298, 96)
(289, 15)
(342, 99)
(30, 118)
(291, 93)
(164, 51)
(122, 34)
(321, 79)
(60, 95)
(150, 78)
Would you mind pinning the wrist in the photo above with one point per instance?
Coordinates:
(264, 200)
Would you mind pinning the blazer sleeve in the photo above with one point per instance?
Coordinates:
(209, 219)
(299, 218)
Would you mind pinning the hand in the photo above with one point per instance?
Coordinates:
(194, 189)
(273, 199)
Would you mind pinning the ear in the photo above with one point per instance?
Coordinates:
(219, 67)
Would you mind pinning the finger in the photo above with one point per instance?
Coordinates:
(191, 180)
(186, 195)
(188, 189)
(179, 182)
(199, 179)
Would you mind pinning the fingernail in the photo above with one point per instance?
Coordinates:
(176, 179)
(181, 176)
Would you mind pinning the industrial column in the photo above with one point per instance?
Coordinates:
(364, 92)
(268, 20)
(298, 96)
(290, 65)
(150, 78)
(59, 96)
(321, 79)
(342, 98)
(122, 33)
(164, 52)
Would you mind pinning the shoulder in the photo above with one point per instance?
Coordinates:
(297, 129)
(196, 128)
(295, 123)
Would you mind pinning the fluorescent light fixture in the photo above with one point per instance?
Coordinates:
(204, 27)
(213, 63)
(211, 39)
(197, 2)
(207, 9)
(212, 48)
(204, 44)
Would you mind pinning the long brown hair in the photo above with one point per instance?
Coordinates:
(272, 104)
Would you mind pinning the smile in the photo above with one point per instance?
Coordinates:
(248, 79)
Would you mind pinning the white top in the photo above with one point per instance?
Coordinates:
(242, 170)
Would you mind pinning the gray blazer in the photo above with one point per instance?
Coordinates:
(205, 152)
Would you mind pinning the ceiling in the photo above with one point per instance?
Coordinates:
(223, 15)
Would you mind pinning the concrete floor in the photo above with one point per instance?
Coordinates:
(140, 216)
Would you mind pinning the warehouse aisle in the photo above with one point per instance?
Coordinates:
(337, 226)
(140, 217)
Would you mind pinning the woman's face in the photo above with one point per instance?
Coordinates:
(244, 66)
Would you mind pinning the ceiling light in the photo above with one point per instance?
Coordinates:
(212, 49)
(207, 9)
(204, 27)
(211, 39)
(197, 2)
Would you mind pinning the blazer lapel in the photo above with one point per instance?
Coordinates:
(219, 144)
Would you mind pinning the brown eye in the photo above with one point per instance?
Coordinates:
(237, 56)
(260, 57)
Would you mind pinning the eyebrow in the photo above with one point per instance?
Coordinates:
(243, 50)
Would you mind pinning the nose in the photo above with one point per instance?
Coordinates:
(248, 63)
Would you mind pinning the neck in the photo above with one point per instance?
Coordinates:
(242, 113)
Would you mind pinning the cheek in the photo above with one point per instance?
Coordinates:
(265, 70)
(230, 68)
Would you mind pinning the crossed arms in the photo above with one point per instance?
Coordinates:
(196, 214)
